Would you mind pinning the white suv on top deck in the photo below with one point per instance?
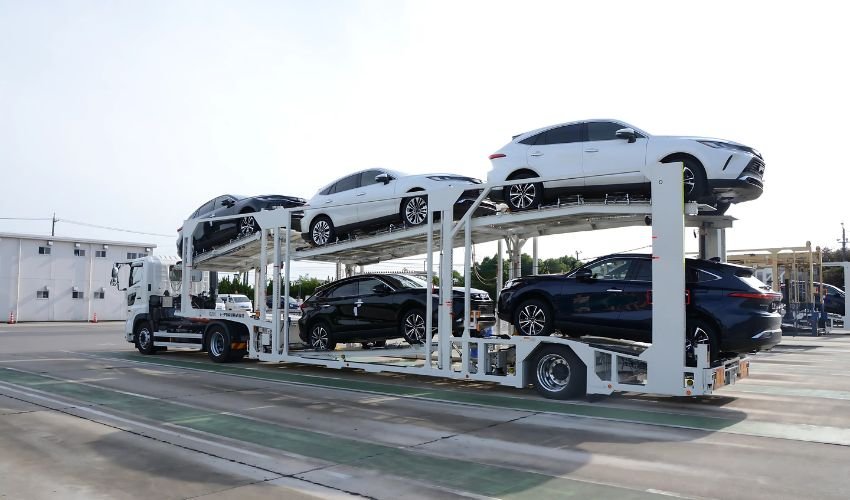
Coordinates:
(595, 157)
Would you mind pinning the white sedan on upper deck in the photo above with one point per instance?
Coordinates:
(606, 156)
(379, 197)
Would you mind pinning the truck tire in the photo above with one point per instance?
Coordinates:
(557, 373)
(144, 338)
(218, 344)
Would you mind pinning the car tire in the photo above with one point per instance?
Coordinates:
(322, 231)
(412, 326)
(320, 337)
(144, 338)
(520, 197)
(414, 210)
(219, 344)
(247, 226)
(694, 180)
(533, 317)
(701, 332)
(557, 373)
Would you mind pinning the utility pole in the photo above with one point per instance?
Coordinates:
(53, 226)
(843, 242)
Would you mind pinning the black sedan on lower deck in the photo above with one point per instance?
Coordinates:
(727, 307)
(378, 307)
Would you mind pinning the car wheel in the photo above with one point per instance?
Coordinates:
(218, 344)
(700, 332)
(413, 326)
(559, 373)
(693, 177)
(247, 226)
(521, 197)
(320, 337)
(533, 317)
(322, 231)
(144, 338)
(414, 211)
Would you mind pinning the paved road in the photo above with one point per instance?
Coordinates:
(84, 416)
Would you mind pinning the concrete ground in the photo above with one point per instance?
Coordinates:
(82, 415)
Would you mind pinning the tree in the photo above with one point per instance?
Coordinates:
(484, 273)
(302, 287)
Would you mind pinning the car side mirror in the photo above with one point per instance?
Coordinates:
(626, 133)
(384, 178)
(584, 274)
(381, 289)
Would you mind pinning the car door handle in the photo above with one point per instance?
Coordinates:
(536, 153)
(328, 201)
(591, 150)
(361, 194)
(325, 305)
(614, 290)
(358, 303)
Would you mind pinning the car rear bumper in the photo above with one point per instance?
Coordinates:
(756, 334)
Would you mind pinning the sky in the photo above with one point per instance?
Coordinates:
(132, 114)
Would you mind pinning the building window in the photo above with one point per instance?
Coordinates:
(132, 255)
(79, 252)
(77, 295)
(100, 295)
(100, 254)
(44, 250)
(42, 294)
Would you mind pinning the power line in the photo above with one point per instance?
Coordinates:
(110, 228)
(25, 218)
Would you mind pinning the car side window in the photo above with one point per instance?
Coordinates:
(328, 190)
(605, 131)
(563, 135)
(533, 139)
(367, 285)
(207, 208)
(347, 183)
(349, 289)
(611, 269)
(644, 270)
(368, 177)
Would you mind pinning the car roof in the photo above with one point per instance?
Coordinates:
(525, 135)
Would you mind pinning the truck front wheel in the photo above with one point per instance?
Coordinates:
(144, 338)
(218, 344)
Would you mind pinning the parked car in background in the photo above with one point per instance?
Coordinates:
(727, 307)
(595, 157)
(378, 307)
(370, 198)
(210, 234)
(833, 296)
(236, 302)
(294, 307)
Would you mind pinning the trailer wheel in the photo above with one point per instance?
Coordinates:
(558, 373)
(533, 317)
(218, 344)
(144, 338)
(320, 337)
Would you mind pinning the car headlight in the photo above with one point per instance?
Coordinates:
(728, 145)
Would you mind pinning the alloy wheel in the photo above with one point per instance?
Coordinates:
(689, 179)
(414, 328)
(532, 320)
(522, 196)
(246, 226)
(416, 211)
(700, 336)
(321, 232)
(320, 338)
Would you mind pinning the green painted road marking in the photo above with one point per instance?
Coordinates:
(734, 424)
(471, 477)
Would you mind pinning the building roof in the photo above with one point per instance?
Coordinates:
(45, 237)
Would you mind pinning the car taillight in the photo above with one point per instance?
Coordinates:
(496, 155)
(303, 306)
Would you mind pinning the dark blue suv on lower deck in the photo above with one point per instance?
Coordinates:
(727, 307)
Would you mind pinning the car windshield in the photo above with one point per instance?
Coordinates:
(241, 299)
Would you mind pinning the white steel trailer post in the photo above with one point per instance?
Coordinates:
(599, 367)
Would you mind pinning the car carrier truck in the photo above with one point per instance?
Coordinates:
(167, 306)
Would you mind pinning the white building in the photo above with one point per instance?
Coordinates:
(56, 278)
